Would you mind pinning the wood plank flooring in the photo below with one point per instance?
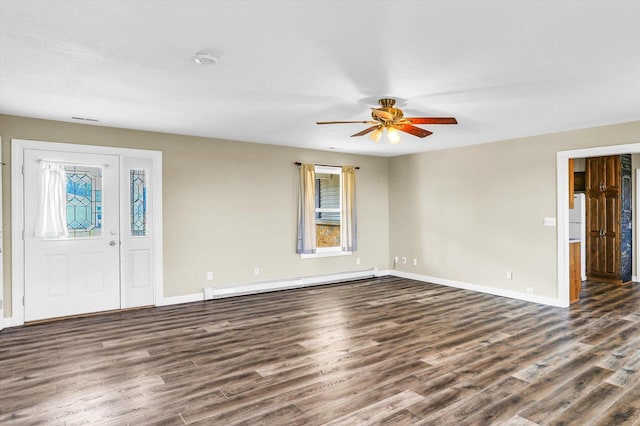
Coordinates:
(379, 351)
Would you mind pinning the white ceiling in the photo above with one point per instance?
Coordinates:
(504, 69)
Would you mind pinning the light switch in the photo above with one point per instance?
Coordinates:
(549, 221)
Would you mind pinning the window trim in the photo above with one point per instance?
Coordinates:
(323, 252)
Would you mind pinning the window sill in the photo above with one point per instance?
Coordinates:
(326, 254)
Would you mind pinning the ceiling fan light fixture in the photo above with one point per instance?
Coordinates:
(393, 119)
(393, 135)
(376, 135)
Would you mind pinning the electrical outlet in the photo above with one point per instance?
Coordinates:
(358, 261)
(404, 260)
(415, 262)
(256, 271)
(509, 275)
(395, 260)
(528, 289)
(209, 276)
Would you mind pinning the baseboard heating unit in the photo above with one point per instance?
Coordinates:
(230, 290)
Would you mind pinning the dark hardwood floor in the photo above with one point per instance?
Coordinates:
(381, 351)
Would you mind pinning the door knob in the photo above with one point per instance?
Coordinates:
(112, 243)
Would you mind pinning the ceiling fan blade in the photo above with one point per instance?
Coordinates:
(365, 131)
(432, 120)
(345, 122)
(415, 131)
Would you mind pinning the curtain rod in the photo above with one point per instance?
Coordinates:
(67, 163)
(297, 163)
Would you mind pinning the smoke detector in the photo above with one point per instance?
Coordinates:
(202, 58)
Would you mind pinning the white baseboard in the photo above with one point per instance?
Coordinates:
(230, 290)
(481, 289)
(382, 272)
(9, 322)
(185, 298)
(250, 288)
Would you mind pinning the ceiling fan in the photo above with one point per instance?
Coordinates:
(393, 119)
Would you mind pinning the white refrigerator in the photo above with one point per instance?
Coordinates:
(577, 230)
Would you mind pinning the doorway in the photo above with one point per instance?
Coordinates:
(562, 206)
(600, 219)
(86, 229)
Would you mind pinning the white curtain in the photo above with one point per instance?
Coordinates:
(52, 214)
(306, 243)
(349, 223)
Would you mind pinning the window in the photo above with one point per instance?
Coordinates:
(328, 208)
(138, 202)
(84, 201)
(326, 211)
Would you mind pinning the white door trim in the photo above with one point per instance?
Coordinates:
(2, 301)
(17, 211)
(562, 205)
(636, 230)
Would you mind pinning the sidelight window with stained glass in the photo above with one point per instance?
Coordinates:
(84, 201)
(138, 193)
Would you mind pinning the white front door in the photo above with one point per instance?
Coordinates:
(79, 272)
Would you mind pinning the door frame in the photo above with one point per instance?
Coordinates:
(17, 211)
(562, 208)
(3, 302)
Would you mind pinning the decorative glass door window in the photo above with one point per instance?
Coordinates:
(84, 201)
(138, 194)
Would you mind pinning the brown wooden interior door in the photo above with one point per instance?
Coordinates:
(610, 216)
(592, 195)
(595, 251)
(603, 216)
(611, 234)
(610, 175)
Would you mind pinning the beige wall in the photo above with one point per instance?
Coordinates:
(472, 214)
(228, 206)
(466, 214)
